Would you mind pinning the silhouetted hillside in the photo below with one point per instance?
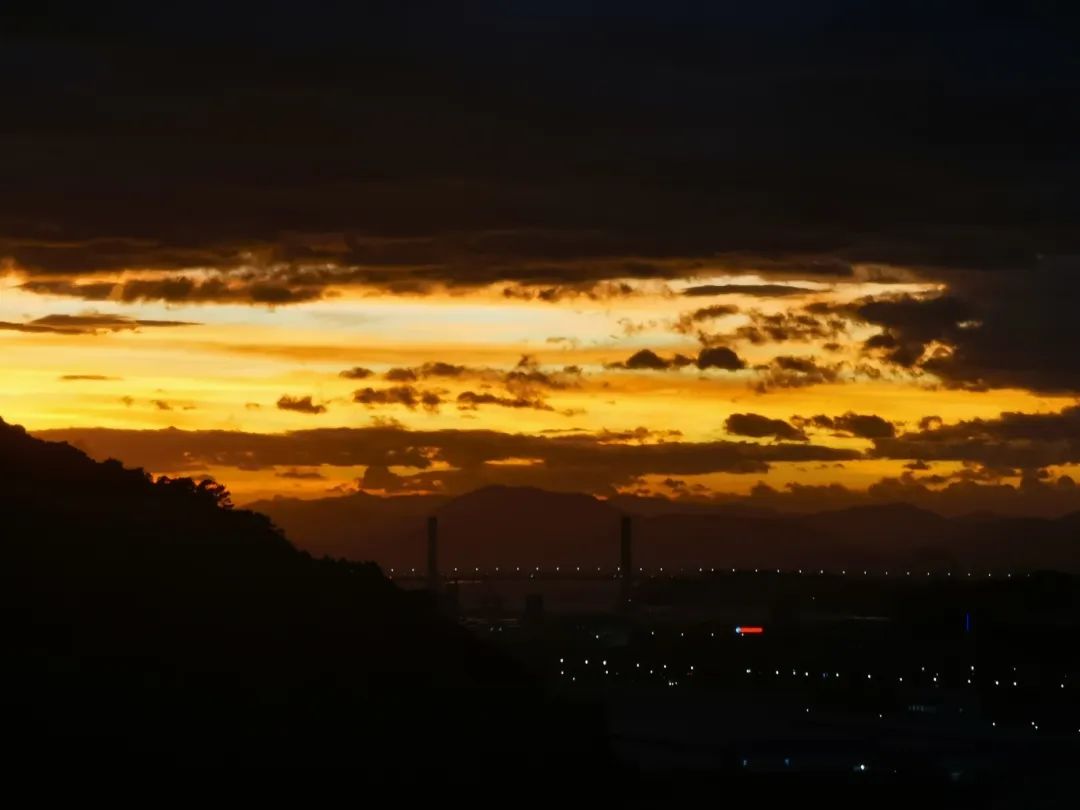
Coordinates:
(508, 526)
(151, 621)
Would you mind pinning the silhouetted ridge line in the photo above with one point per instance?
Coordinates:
(150, 620)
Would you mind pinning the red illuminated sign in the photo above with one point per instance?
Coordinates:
(749, 631)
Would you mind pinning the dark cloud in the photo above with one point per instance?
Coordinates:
(994, 328)
(379, 477)
(87, 377)
(524, 383)
(437, 368)
(91, 323)
(863, 426)
(590, 290)
(526, 378)
(409, 396)
(648, 360)
(300, 405)
(757, 290)
(911, 325)
(719, 357)
(638, 434)
(611, 166)
(689, 322)
(441, 369)
(471, 400)
(301, 475)
(581, 462)
(780, 326)
(983, 473)
(1019, 331)
(1015, 440)
(715, 311)
(758, 426)
(220, 289)
(796, 372)
(356, 373)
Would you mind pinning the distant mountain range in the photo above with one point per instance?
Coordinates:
(519, 526)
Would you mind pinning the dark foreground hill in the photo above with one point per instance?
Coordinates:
(151, 623)
(520, 526)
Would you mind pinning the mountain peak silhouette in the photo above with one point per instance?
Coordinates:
(525, 526)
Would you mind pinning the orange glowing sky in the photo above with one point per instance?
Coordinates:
(226, 367)
(799, 259)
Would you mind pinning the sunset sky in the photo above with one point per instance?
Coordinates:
(696, 254)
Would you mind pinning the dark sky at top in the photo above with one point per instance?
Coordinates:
(511, 141)
(900, 131)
